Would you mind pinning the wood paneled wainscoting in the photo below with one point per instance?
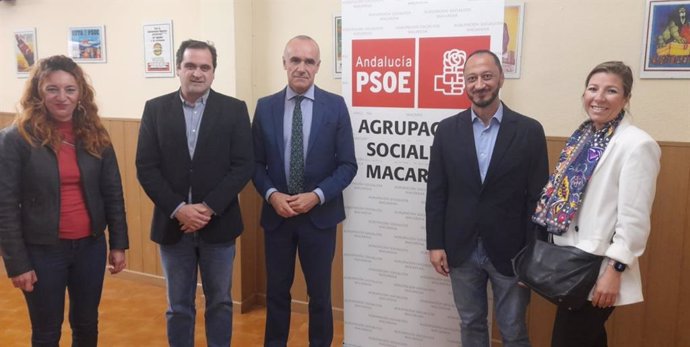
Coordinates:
(143, 261)
(659, 321)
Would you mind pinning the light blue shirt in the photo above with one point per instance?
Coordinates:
(485, 138)
(192, 120)
(307, 112)
(307, 106)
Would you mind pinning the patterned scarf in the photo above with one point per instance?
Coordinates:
(564, 193)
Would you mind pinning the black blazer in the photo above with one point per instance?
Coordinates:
(30, 198)
(459, 208)
(222, 165)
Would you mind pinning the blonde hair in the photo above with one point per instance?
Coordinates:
(617, 68)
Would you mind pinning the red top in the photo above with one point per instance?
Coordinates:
(75, 222)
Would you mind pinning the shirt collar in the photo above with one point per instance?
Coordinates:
(309, 94)
(498, 116)
(201, 100)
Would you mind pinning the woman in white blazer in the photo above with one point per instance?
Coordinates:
(599, 199)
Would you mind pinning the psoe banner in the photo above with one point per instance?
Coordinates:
(402, 73)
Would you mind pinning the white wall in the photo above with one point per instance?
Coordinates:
(277, 21)
(563, 40)
(121, 89)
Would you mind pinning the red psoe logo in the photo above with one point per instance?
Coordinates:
(383, 73)
(441, 70)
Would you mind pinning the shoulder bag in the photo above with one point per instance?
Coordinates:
(563, 275)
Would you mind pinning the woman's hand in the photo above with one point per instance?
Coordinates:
(25, 281)
(607, 288)
(116, 261)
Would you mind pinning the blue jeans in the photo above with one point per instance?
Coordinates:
(469, 281)
(79, 267)
(214, 262)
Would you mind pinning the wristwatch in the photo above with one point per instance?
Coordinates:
(618, 266)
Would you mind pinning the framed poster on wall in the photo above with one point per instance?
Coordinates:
(158, 50)
(666, 41)
(512, 38)
(87, 44)
(25, 50)
(337, 46)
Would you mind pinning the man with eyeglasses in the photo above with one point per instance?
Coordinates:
(486, 170)
(194, 157)
(305, 158)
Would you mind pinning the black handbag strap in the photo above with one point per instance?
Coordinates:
(540, 233)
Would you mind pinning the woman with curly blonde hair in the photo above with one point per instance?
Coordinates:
(59, 190)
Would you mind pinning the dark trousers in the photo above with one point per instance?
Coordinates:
(316, 248)
(79, 267)
(580, 328)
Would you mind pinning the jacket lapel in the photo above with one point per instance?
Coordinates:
(317, 117)
(466, 145)
(177, 124)
(624, 124)
(208, 120)
(506, 134)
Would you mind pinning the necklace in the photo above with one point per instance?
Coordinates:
(67, 143)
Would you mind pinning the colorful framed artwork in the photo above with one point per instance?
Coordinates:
(25, 50)
(513, 22)
(158, 50)
(666, 41)
(87, 44)
(337, 46)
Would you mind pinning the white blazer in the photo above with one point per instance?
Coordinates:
(614, 219)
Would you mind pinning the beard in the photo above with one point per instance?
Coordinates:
(484, 103)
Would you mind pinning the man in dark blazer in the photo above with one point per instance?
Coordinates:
(305, 157)
(487, 167)
(194, 156)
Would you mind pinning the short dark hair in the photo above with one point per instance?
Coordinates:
(196, 44)
(617, 68)
(492, 54)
